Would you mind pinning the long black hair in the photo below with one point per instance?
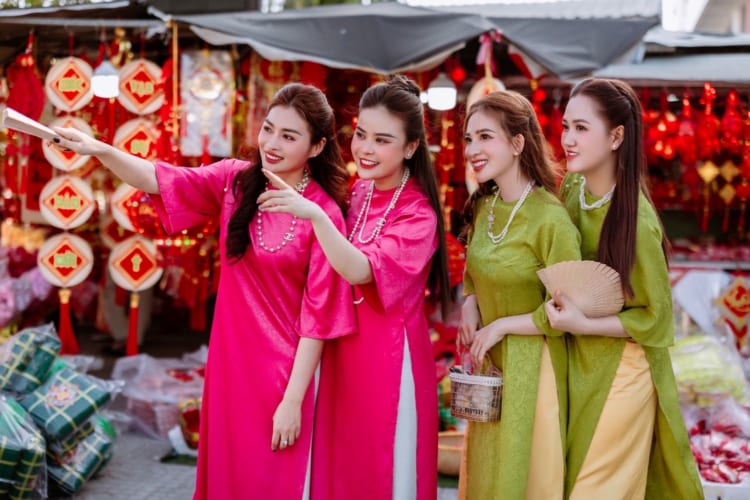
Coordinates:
(618, 105)
(327, 168)
(400, 96)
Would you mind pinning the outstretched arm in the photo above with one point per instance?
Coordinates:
(344, 257)
(133, 170)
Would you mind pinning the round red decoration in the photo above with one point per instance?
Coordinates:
(65, 260)
(124, 195)
(137, 137)
(66, 160)
(134, 264)
(140, 90)
(68, 84)
(66, 202)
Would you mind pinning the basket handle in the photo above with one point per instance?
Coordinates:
(488, 368)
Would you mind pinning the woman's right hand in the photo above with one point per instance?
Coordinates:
(470, 321)
(71, 139)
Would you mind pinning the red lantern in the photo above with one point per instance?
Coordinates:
(685, 140)
(707, 132)
(731, 124)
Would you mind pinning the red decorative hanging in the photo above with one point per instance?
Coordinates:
(732, 124)
(685, 140)
(25, 88)
(707, 132)
(313, 73)
(143, 215)
(666, 128)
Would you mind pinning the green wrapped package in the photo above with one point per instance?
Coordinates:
(22, 449)
(10, 451)
(69, 444)
(14, 356)
(29, 469)
(104, 427)
(72, 470)
(64, 403)
(47, 349)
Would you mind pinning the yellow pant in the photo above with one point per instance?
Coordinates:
(616, 464)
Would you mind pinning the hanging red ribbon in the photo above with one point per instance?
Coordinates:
(485, 45)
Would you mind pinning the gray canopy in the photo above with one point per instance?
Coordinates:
(392, 37)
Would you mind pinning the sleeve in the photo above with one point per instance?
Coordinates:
(468, 287)
(647, 317)
(190, 196)
(327, 304)
(400, 254)
(558, 241)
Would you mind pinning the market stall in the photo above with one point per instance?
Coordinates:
(192, 89)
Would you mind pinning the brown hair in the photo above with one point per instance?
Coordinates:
(327, 168)
(618, 104)
(516, 116)
(400, 96)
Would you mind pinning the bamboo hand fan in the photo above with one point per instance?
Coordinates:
(592, 286)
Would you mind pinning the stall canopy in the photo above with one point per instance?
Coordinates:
(687, 58)
(392, 37)
(383, 37)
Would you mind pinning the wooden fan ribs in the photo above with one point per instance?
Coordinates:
(592, 286)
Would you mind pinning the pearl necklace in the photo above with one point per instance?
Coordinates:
(598, 203)
(289, 235)
(497, 238)
(365, 210)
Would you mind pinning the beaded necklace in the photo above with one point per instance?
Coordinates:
(289, 235)
(497, 238)
(598, 203)
(365, 210)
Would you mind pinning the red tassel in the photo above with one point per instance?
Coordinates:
(67, 339)
(131, 347)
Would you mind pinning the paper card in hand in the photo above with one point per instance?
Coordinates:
(22, 123)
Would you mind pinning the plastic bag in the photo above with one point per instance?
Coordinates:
(22, 454)
(707, 370)
(154, 388)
